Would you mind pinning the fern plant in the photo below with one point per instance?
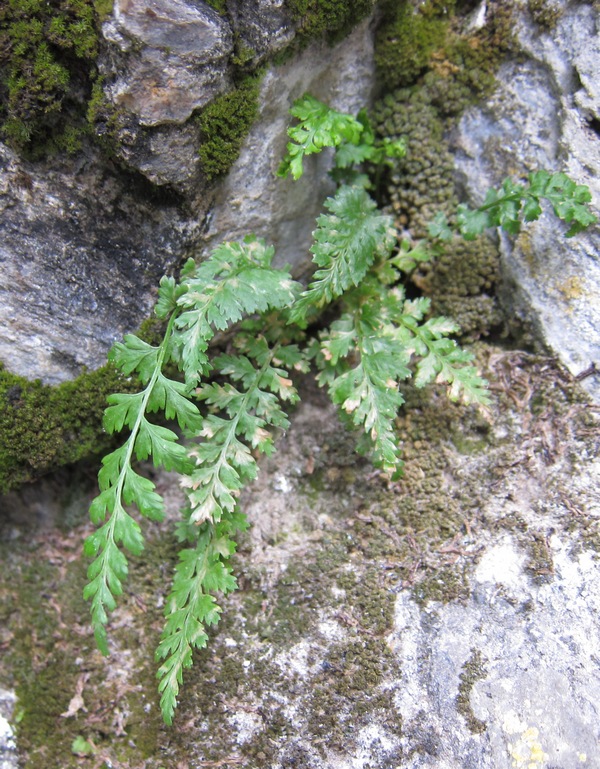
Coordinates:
(229, 408)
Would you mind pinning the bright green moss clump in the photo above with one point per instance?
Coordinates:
(47, 64)
(224, 125)
(332, 18)
(44, 427)
(413, 40)
(406, 40)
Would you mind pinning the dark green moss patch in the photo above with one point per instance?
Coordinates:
(330, 18)
(545, 14)
(442, 70)
(540, 564)
(43, 427)
(407, 38)
(443, 585)
(47, 65)
(224, 125)
(473, 670)
(413, 40)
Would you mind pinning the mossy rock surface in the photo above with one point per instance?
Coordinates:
(44, 427)
(443, 66)
(48, 55)
(310, 664)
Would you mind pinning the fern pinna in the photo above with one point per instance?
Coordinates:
(228, 408)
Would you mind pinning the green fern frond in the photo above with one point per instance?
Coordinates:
(224, 463)
(191, 608)
(235, 281)
(348, 240)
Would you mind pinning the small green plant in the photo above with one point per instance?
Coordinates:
(229, 407)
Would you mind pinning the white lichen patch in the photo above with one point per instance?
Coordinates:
(504, 565)
(8, 746)
(245, 724)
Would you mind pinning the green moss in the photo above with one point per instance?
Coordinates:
(43, 427)
(103, 118)
(444, 585)
(219, 5)
(406, 40)
(544, 14)
(442, 72)
(540, 563)
(413, 41)
(47, 65)
(224, 125)
(473, 670)
(330, 18)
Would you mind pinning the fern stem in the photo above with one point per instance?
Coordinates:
(160, 358)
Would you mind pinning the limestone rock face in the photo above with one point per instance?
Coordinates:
(446, 621)
(544, 114)
(166, 59)
(174, 58)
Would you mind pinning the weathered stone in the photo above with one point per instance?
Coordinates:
(81, 254)
(252, 198)
(262, 27)
(542, 115)
(84, 245)
(348, 644)
(174, 58)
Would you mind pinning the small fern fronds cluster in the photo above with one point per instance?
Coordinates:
(514, 203)
(236, 281)
(226, 409)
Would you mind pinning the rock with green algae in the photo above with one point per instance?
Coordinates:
(348, 642)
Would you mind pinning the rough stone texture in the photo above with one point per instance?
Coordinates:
(81, 253)
(544, 114)
(252, 198)
(83, 245)
(262, 27)
(449, 621)
(176, 58)
(167, 59)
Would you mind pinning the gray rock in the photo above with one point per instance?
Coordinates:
(174, 57)
(542, 116)
(262, 27)
(84, 245)
(81, 254)
(252, 198)
(8, 747)
(331, 655)
(525, 655)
